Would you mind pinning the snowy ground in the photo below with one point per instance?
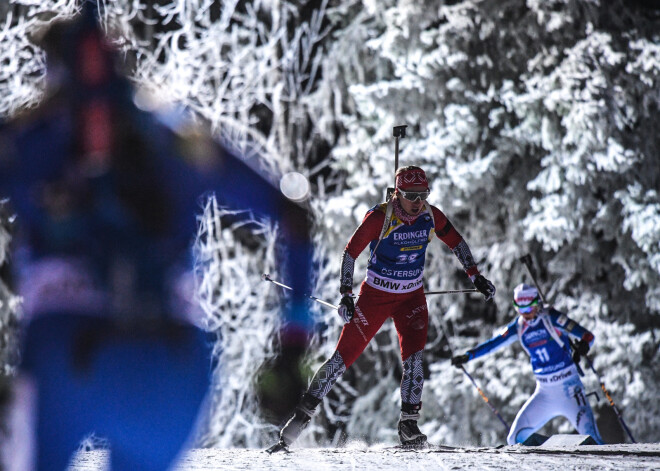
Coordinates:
(606, 457)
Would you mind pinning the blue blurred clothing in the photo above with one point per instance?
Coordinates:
(106, 197)
(140, 391)
(135, 214)
(105, 187)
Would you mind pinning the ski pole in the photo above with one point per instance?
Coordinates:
(398, 132)
(527, 261)
(266, 277)
(451, 291)
(481, 393)
(485, 398)
(616, 410)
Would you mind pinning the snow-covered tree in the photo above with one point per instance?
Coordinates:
(532, 119)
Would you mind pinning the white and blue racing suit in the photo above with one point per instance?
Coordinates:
(559, 390)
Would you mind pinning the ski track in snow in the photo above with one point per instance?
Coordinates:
(382, 458)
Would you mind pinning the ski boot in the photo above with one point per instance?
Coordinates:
(296, 424)
(409, 433)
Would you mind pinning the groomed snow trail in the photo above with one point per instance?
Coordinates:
(381, 458)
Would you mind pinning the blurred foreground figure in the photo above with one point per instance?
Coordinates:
(105, 197)
(545, 334)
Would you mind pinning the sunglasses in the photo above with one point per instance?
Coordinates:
(415, 195)
(526, 308)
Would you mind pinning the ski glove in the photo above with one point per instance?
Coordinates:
(459, 360)
(580, 349)
(346, 307)
(484, 286)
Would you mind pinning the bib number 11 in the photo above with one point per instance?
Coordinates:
(542, 353)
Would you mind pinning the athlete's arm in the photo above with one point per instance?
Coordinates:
(568, 326)
(448, 234)
(368, 230)
(508, 336)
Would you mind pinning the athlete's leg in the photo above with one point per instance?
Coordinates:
(62, 412)
(151, 390)
(412, 379)
(355, 336)
(326, 376)
(575, 407)
(371, 310)
(534, 414)
(411, 321)
(370, 313)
